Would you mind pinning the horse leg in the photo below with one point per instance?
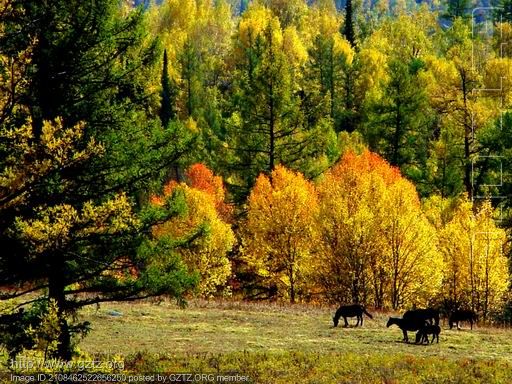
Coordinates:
(471, 322)
(361, 316)
(346, 322)
(406, 339)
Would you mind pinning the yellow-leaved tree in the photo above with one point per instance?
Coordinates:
(476, 272)
(280, 231)
(376, 244)
(415, 265)
(349, 226)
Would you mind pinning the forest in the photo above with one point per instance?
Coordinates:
(282, 150)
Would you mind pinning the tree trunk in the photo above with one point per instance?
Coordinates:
(56, 288)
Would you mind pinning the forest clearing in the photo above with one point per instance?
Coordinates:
(283, 343)
(276, 343)
(269, 162)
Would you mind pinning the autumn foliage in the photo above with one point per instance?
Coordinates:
(476, 268)
(201, 178)
(360, 234)
(280, 231)
(205, 253)
(375, 242)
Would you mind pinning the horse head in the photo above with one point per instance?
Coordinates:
(391, 321)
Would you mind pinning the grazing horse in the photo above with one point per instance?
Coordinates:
(430, 315)
(462, 315)
(350, 311)
(430, 329)
(406, 325)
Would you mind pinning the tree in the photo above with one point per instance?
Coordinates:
(191, 77)
(348, 24)
(453, 86)
(491, 175)
(476, 267)
(168, 110)
(399, 117)
(350, 214)
(268, 124)
(197, 37)
(279, 234)
(334, 69)
(415, 265)
(206, 254)
(289, 12)
(457, 9)
(78, 145)
(375, 241)
(503, 12)
(201, 178)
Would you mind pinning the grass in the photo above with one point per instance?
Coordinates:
(221, 327)
(274, 343)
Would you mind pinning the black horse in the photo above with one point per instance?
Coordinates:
(462, 315)
(350, 311)
(429, 315)
(430, 329)
(405, 325)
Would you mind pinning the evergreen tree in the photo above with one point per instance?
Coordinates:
(495, 159)
(168, 96)
(503, 12)
(398, 125)
(243, 5)
(334, 68)
(269, 124)
(191, 77)
(76, 154)
(348, 25)
(457, 8)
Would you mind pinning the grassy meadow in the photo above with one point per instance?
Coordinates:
(275, 343)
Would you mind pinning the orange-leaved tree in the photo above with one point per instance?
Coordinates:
(207, 235)
(200, 177)
(374, 236)
(280, 230)
(351, 213)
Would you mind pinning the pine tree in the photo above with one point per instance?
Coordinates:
(269, 124)
(348, 25)
(81, 147)
(503, 12)
(457, 8)
(168, 95)
(399, 120)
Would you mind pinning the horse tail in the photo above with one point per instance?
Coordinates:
(367, 313)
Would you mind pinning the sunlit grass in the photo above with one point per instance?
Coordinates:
(272, 343)
(222, 327)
